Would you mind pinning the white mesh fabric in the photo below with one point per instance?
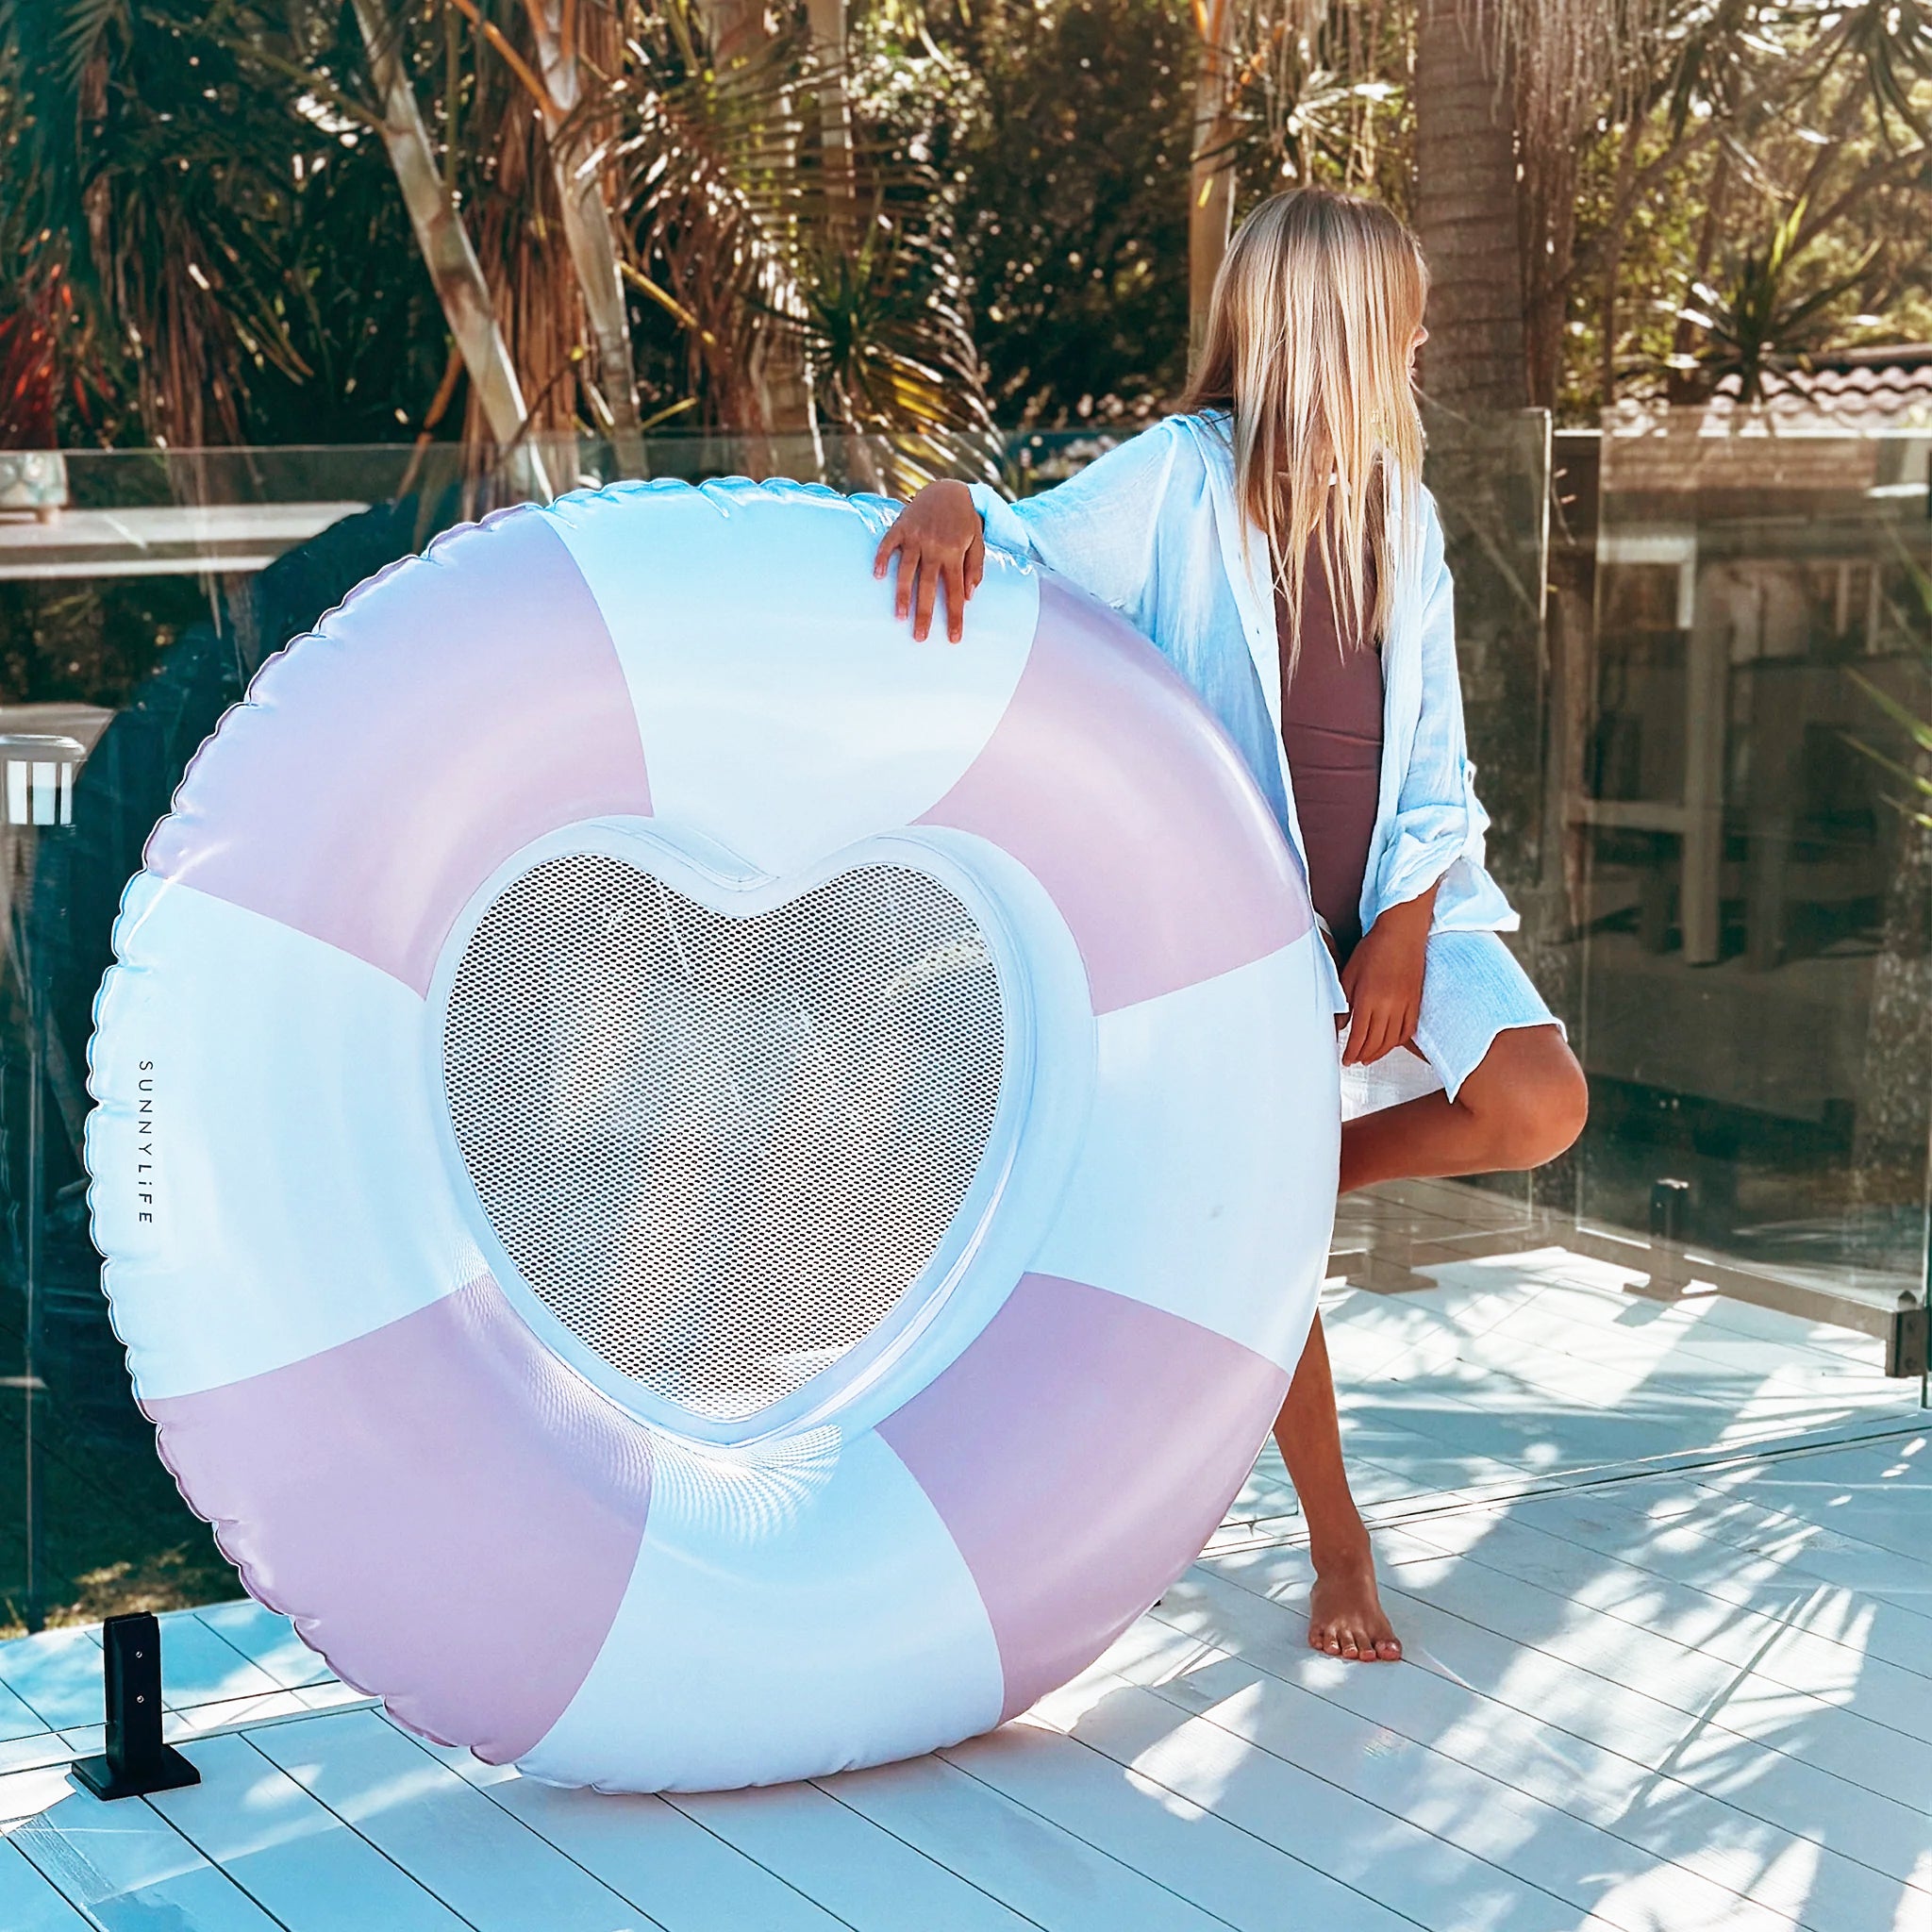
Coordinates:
(720, 1150)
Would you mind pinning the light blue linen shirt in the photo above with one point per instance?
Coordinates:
(1152, 529)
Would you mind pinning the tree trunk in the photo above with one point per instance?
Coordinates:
(1684, 383)
(1210, 174)
(788, 409)
(1549, 260)
(856, 465)
(1614, 259)
(588, 234)
(827, 19)
(1466, 209)
(451, 260)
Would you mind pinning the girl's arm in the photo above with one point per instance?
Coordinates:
(1436, 819)
(940, 546)
(1383, 981)
(1095, 530)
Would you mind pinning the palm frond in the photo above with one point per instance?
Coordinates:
(774, 256)
(1891, 39)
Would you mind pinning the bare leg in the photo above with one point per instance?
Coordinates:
(1522, 1106)
(1345, 1614)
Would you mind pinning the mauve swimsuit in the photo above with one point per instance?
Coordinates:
(1331, 726)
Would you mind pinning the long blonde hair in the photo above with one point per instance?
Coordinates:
(1308, 346)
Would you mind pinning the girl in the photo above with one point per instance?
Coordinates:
(1276, 543)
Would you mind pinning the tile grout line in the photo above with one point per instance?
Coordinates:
(1629, 1562)
(1488, 1777)
(1514, 1879)
(1206, 1811)
(520, 1823)
(1025, 1918)
(1511, 1579)
(1701, 1717)
(1789, 1561)
(349, 1826)
(1602, 1476)
(489, 1792)
(1653, 1775)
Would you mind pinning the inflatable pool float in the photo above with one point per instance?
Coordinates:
(700, 1191)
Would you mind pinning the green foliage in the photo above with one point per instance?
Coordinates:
(1066, 127)
(205, 241)
(1765, 311)
(242, 268)
(355, 305)
(89, 643)
(1915, 800)
(1777, 197)
(788, 263)
(1065, 124)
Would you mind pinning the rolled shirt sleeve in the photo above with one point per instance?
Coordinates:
(1137, 529)
(1001, 520)
(1097, 528)
(1438, 820)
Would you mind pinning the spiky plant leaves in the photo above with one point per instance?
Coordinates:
(891, 346)
(1915, 730)
(179, 165)
(774, 256)
(168, 155)
(1761, 316)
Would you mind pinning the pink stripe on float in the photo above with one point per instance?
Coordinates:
(450, 1516)
(1081, 1453)
(455, 707)
(1107, 782)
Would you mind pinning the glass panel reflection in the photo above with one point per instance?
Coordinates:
(1751, 895)
(1695, 662)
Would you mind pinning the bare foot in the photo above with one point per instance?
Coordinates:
(1345, 1614)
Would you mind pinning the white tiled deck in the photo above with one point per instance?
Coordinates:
(1666, 1580)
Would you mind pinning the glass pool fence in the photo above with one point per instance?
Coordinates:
(1695, 655)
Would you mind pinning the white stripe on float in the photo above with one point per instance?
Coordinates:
(1206, 1185)
(791, 1613)
(265, 1170)
(785, 711)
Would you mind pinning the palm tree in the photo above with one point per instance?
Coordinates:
(1506, 93)
(1211, 167)
(1468, 211)
(447, 251)
(1491, 82)
(172, 227)
(788, 260)
(573, 46)
(161, 218)
(746, 45)
(1277, 83)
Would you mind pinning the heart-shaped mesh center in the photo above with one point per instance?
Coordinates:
(721, 1150)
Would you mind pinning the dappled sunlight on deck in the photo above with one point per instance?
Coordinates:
(1660, 1568)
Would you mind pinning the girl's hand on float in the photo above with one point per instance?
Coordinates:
(1383, 981)
(940, 545)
